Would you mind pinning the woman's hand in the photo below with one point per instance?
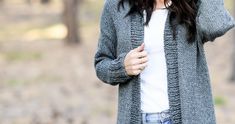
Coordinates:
(136, 60)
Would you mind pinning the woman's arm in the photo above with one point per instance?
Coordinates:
(109, 67)
(213, 20)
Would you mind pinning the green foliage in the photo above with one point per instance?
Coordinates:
(15, 82)
(42, 78)
(22, 56)
(219, 101)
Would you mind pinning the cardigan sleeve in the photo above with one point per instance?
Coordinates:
(213, 20)
(109, 68)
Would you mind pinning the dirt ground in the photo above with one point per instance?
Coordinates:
(48, 82)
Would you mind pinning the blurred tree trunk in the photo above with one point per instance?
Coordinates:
(38, 1)
(233, 54)
(1, 2)
(45, 1)
(70, 20)
(28, 1)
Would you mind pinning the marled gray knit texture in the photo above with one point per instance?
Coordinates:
(189, 87)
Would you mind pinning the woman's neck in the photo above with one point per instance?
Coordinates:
(160, 4)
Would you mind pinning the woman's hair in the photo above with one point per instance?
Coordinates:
(183, 11)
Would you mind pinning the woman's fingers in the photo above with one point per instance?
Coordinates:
(140, 61)
(136, 72)
(142, 54)
(136, 60)
(135, 54)
(139, 48)
(139, 67)
(136, 69)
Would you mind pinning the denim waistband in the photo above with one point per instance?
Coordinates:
(159, 117)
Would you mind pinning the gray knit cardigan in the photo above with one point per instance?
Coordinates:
(189, 87)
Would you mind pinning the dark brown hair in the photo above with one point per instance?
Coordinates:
(183, 11)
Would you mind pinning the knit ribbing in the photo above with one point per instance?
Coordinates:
(137, 38)
(170, 46)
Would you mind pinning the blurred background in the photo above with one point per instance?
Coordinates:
(47, 73)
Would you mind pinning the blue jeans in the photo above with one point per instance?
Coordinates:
(156, 118)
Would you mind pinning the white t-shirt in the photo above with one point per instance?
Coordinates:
(154, 95)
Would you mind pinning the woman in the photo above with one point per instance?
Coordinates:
(153, 50)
